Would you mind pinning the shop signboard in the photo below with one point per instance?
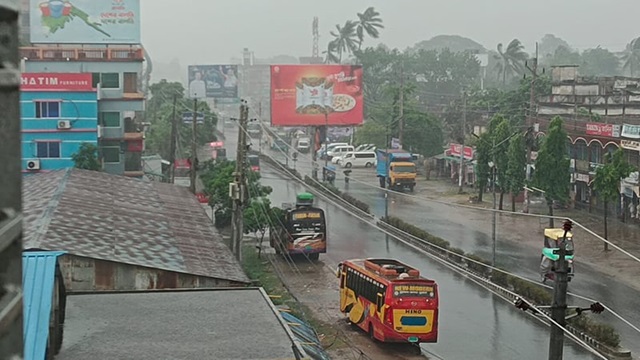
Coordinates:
(600, 129)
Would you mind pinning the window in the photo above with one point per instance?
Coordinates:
(107, 80)
(48, 149)
(109, 118)
(595, 153)
(110, 151)
(130, 81)
(47, 109)
(110, 80)
(581, 150)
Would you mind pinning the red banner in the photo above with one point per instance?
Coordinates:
(316, 95)
(454, 150)
(56, 82)
(599, 129)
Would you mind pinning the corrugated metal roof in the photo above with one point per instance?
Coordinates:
(115, 218)
(38, 273)
(306, 335)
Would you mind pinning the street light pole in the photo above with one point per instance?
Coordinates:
(464, 126)
(324, 140)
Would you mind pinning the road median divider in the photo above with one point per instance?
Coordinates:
(598, 335)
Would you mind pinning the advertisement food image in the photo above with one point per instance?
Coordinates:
(313, 95)
(308, 242)
(85, 21)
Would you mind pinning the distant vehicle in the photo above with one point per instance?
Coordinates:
(254, 129)
(254, 162)
(182, 172)
(358, 159)
(303, 229)
(339, 151)
(303, 145)
(395, 169)
(322, 152)
(278, 144)
(389, 300)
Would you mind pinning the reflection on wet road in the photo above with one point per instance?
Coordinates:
(473, 322)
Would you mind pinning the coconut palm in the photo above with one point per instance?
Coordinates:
(345, 39)
(331, 57)
(368, 22)
(511, 60)
(632, 57)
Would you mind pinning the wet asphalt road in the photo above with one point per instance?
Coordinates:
(473, 322)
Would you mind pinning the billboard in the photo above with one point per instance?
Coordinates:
(316, 95)
(56, 82)
(213, 81)
(85, 21)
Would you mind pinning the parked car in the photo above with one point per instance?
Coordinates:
(339, 151)
(358, 159)
(322, 152)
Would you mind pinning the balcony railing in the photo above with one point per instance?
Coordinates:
(81, 54)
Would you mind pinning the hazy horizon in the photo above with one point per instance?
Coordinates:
(212, 32)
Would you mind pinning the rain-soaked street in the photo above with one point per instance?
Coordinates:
(470, 230)
(473, 322)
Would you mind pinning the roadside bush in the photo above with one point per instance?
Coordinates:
(535, 293)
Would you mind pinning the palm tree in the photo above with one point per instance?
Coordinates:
(331, 58)
(632, 57)
(345, 39)
(368, 22)
(511, 60)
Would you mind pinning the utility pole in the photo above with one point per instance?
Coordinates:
(172, 147)
(194, 146)
(532, 104)
(493, 213)
(464, 134)
(559, 306)
(238, 191)
(401, 109)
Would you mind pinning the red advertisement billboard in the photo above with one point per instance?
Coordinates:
(454, 150)
(599, 129)
(316, 95)
(56, 82)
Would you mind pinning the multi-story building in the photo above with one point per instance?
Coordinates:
(117, 74)
(59, 112)
(600, 116)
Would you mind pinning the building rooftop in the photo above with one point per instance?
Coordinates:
(115, 218)
(192, 324)
(38, 274)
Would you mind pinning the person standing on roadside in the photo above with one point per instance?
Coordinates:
(427, 168)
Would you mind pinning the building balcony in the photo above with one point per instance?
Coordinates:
(82, 54)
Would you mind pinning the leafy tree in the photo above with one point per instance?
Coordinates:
(550, 43)
(483, 155)
(563, 56)
(500, 137)
(372, 132)
(552, 166)
(86, 157)
(599, 62)
(607, 182)
(345, 41)
(259, 217)
(454, 43)
(422, 133)
(511, 59)
(632, 57)
(216, 178)
(368, 22)
(516, 167)
(160, 113)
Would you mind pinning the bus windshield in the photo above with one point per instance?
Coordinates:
(404, 169)
(414, 290)
(307, 221)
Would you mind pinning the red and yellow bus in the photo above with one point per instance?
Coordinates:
(389, 300)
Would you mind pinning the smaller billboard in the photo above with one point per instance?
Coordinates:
(213, 81)
(316, 95)
(56, 82)
(85, 21)
(599, 129)
(454, 151)
(187, 117)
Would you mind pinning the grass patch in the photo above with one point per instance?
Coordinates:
(261, 271)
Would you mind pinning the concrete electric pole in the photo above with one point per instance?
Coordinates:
(237, 189)
(172, 147)
(194, 146)
(559, 306)
(532, 104)
(401, 108)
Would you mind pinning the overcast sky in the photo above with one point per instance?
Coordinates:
(213, 31)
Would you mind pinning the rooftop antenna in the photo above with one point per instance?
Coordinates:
(316, 37)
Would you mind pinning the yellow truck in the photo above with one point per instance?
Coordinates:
(396, 169)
